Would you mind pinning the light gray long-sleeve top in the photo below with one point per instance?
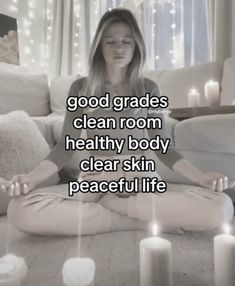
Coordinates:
(60, 156)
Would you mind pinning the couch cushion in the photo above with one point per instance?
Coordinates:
(228, 82)
(45, 125)
(211, 133)
(175, 84)
(59, 90)
(24, 92)
(13, 68)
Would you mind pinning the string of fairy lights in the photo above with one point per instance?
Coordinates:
(173, 27)
(76, 33)
(156, 29)
(43, 61)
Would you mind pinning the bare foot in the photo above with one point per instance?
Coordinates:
(114, 203)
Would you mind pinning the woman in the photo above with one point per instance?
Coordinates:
(116, 60)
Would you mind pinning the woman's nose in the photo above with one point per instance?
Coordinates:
(119, 47)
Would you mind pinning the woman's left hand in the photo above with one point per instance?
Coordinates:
(215, 182)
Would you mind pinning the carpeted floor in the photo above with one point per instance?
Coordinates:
(116, 256)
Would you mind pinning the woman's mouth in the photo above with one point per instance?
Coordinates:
(118, 57)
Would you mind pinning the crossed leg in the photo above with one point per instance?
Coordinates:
(48, 211)
(190, 208)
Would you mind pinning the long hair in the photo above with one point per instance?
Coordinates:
(95, 80)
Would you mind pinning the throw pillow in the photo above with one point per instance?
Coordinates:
(26, 92)
(22, 147)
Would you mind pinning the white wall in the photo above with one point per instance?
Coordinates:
(5, 8)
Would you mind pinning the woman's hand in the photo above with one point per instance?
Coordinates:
(215, 181)
(210, 180)
(18, 185)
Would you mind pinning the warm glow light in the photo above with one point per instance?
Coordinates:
(155, 229)
(27, 50)
(26, 23)
(27, 33)
(31, 4)
(31, 15)
(227, 229)
(211, 82)
(13, 8)
(193, 91)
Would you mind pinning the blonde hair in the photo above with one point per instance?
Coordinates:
(95, 80)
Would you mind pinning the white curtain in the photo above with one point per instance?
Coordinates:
(177, 33)
(220, 17)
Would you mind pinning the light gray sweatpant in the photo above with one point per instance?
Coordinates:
(50, 211)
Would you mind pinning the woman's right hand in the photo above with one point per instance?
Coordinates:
(18, 185)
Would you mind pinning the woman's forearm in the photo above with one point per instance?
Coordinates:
(43, 171)
(185, 168)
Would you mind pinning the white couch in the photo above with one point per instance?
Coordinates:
(207, 141)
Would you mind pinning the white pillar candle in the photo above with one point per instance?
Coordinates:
(155, 261)
(79, 272)
(193, 98)
(212, 94)
(12, 270)
(224, 259)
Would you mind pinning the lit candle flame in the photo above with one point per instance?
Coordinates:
(193, 91)
(227, 228)
(211, 81)
(155, 229)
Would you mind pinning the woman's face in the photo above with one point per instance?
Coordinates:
(118, 45)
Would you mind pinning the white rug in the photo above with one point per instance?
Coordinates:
(116, 256)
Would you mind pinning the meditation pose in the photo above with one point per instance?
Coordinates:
(116, 61)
